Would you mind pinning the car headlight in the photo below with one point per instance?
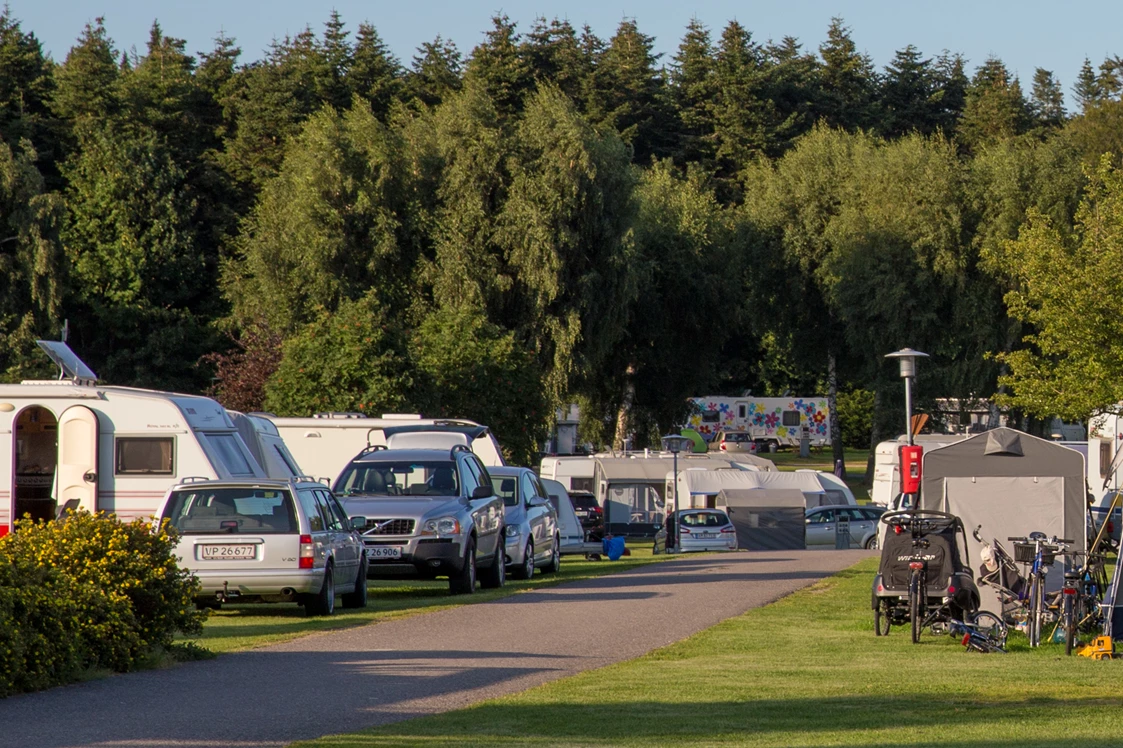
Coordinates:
(513, 531)
(443, 526)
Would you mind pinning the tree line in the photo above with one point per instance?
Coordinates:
(558, 217)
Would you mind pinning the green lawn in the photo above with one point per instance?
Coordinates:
(804, 671)
(822, 459)
(246, 626)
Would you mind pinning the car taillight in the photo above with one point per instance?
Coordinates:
(685, 530)
(598, 510)
(728, 529)
(307, 552)
(722, 445)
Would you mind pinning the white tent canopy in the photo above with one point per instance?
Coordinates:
(696, 487)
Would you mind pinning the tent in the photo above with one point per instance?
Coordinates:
(699, 488)
(767, 519)
(1011, 484)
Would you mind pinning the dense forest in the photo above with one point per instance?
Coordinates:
(557, 217)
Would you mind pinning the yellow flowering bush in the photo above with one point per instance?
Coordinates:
(88, 592)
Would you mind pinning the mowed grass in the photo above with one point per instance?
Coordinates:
(804, 671)
(238, 627)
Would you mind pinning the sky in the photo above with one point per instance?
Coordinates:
(1025, 35)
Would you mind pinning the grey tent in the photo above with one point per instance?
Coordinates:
(767, 519)
(1011, 484)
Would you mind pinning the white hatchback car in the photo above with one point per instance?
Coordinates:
(268, 541)
(700, 530)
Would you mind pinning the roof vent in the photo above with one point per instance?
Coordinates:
(1003, 442)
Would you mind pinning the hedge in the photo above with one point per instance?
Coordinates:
(85, 594)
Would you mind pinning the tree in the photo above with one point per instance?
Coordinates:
(1047, 102)
(436, 72)
(1068, 283)
(1087, 88)
(375, 75)
(745, 120)
(86, 89)
(995, 108)
(554, 53)
(26, 86)
(848, 81)
(909, 97)
(692, 83)
(499, 66)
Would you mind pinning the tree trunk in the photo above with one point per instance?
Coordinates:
(832, 402)
(875, 437)
(624, 414)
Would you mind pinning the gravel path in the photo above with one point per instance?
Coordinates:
(347, 680)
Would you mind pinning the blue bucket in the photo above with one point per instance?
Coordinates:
(613, 547)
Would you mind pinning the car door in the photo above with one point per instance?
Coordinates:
(487, 514)
(860, 525)
(820, 528)
(349, 548)
(317, 526)
(535, 513)
(552, 517)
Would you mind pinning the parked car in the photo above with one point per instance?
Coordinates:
(588, 510)
(700, 530)
(532, 537)
(268, 541)
(430, 513)
(821, 522)
(735, 441)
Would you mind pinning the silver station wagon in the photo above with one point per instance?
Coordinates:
(268, 541)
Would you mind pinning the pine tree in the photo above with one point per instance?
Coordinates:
(435, 73)
(909, 99)
(1047, 102)
(692, 84)
(499, 66)
(87, 82)
(745, 120)
(337, 56)
(848, 81)
(1110, 79)
(996, 109)
(553, 52)
(951, 91)
(1087, 88)
(26, 86)
(376, 74)
(792, 84)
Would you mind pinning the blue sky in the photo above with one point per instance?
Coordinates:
(1026, 34)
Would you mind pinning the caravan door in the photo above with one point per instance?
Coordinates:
(76, 476)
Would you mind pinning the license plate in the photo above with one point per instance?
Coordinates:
(709, 535)
(582, 514)
(228, 552)
(384, 551)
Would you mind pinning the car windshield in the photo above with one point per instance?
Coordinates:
(507, 488)
(583, 501)
(399, 478)
(229, 510)
(704, 519)
(734, 437)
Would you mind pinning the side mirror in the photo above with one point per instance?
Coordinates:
(359, 523)
(536, 501)
(807, 521)
(483, 492)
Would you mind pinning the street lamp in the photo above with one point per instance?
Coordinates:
(674, 443)
(907, 357)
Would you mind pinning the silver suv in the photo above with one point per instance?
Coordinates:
(268, 541)
(429, 513)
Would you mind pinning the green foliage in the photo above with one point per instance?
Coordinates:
(854, 410)
(353, 359)
(88, 593)
(1067, 289)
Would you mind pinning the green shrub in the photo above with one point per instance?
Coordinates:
(90, 592)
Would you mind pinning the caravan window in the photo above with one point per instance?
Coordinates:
(741, 412)
(710, 416)
(581, 484)
(789, 418)
(145, 455)
(226, 447)
(1105, 458)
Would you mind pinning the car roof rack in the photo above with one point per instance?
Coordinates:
(372, 448)
(194, 479)
(304, 479)
(458, 448)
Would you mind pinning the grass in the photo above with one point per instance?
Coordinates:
(805, 671)
(238, 627)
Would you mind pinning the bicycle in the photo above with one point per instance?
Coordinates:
(986, 632)
(1039, 553)
(1080, 598)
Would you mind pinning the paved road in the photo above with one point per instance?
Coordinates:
(343, 681)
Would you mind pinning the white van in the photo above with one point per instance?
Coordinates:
(73, 443)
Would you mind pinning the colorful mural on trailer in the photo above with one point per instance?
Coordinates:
(763, 417)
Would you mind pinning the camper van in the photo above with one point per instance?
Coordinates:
(74, 443)
(698, 489)
(773, 422)
(327, 442)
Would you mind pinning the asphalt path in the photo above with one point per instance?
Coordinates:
(342, 681)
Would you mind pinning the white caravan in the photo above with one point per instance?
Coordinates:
(74, 443)
(887, 463)
(574, 472)
(698, 488)
(773, 422)
(266, 446)
(324, 444)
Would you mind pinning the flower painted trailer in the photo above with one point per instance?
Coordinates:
(74, 443)
(773, 422)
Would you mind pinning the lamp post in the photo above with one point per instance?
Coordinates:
(674, 444)
(907, 357)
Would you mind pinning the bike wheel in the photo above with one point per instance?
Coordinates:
(991, 626)
(881, 621)
(1036, 611)
(1068, 620)
(916, 608)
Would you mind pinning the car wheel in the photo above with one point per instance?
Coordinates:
(464, 582)
(555, 558)
(526, 569)
(358, 598)
(871, 544)
(496, 576)
(323, 604)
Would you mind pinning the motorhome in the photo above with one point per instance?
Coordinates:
(699, 489)
(74, 443)
(887, 463)
(773, 422)
(325, 443)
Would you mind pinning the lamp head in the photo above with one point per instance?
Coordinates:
(906, 358)
(674, 443)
